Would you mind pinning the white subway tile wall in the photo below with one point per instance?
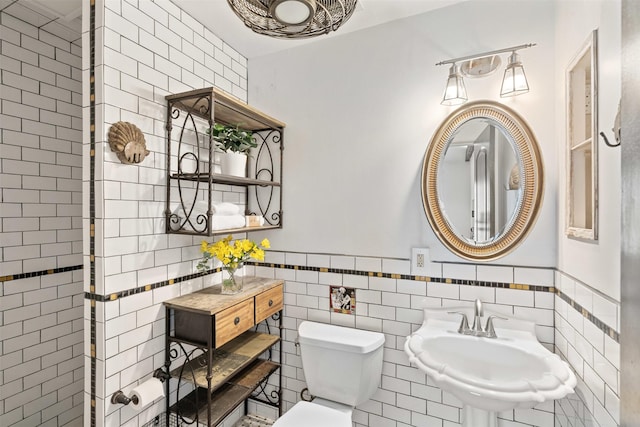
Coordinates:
(144, 51)
(406, 396)
(392, 306)
(593, 355)
(41, 327)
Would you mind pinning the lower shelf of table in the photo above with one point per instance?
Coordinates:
(251, 420)
(223, 401)
(227, 360)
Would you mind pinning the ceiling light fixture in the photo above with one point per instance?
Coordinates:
(293, 19)
(514, 81)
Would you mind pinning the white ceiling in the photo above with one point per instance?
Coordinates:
(218, 17)
(63, 18)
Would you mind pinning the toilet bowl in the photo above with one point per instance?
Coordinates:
(315, 414)
(342, 368)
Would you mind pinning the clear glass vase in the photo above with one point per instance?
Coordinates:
(232, 281)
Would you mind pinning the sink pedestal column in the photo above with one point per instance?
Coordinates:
(474, 417)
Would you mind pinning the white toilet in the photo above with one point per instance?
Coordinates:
(342, 366)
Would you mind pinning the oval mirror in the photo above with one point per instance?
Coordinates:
(482, 181)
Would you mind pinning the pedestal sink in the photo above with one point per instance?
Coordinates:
(488, 375)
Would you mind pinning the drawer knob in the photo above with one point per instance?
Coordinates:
(270, 302)
(236, 320)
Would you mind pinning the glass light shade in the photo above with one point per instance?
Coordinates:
(455, 93)
(292, 12)
(514, 81)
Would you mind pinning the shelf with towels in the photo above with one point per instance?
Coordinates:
(191, 174)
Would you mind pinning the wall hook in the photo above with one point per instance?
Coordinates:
(615, 129)
(606, 140)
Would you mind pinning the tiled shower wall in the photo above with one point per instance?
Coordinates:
(41, 374)
(144, 50)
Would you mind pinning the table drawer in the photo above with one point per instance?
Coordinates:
(233, 321)
(268, 303)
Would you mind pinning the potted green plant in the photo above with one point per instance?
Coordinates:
(235, 144)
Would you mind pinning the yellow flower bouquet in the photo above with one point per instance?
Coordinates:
(233, 255)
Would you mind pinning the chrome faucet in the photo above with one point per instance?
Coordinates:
(478, 312)
(476, 329)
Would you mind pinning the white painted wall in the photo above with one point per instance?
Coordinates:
(595, 263)
(362, 108)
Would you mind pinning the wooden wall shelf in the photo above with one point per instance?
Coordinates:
(191, 168)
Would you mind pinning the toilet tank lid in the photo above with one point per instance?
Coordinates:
(339, 338)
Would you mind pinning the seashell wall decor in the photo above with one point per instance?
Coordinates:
(127, 141)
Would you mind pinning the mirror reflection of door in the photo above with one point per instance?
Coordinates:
(478, 185)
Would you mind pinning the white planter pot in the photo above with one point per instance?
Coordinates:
(234, 164)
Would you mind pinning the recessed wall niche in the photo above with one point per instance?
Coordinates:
(582, 148)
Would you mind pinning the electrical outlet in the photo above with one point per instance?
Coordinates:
(420, 262)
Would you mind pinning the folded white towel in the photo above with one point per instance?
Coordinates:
(223, 222)
(225, 215)
(225, 208)
(201, 206)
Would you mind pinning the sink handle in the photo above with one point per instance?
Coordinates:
(464, 324)
(490, 332)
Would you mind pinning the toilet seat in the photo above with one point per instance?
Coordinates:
(309, 414)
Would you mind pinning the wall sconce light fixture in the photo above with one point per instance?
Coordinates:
(455, 93)
(514, 81)
(484, 64)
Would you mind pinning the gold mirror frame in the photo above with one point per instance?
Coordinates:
(529, 158)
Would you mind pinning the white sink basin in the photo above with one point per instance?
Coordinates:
(490, 374)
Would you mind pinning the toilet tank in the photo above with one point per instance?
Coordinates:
(340, 364)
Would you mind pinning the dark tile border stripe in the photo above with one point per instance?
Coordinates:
(503, 285)
(11, 277)
(498, 285)
(613, 334)
(145, 288)
(92, 202)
